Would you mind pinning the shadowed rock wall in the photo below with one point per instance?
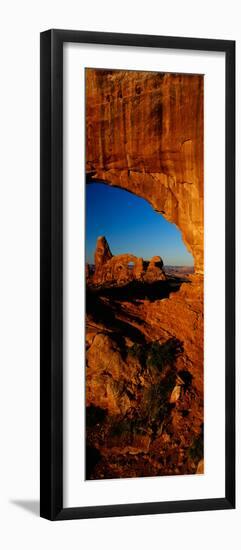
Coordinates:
(144, 133)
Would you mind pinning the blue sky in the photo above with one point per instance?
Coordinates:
(130, 225)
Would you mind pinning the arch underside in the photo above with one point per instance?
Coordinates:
(150, 143)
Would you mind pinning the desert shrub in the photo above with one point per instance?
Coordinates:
(155, 402)
(151, 403)
(167, 384)
(139, 352)
(157, 355)
(196, 449)
(94, 415)
(162, 355)
(122, 427)
(125, 426)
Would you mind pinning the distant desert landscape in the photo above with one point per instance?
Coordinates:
(144, 315)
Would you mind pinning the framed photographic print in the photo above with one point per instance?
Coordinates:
(137, 274)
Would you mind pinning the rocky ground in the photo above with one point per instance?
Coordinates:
(144, 378)
(144, 327)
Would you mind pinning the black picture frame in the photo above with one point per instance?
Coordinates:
(51, 325)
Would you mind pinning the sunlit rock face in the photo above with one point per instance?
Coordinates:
(102, 255)
(144, 340)
(123, 268)
(144, 383)
(144, 133)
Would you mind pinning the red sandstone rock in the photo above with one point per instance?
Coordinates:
(144, 133)
(102, 255)
(123, 268)
(154, 270)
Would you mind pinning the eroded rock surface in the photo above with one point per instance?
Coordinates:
(122, 268)
(144, 329)
(145, 375)
(144, 133)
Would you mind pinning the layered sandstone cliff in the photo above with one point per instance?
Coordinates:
(144, 133)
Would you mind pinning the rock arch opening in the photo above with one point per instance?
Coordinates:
(144, 358)
(142, 135)
(126, 239)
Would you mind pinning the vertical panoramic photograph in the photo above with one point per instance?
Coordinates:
(144, 272)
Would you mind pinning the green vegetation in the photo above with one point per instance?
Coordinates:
(154, 407)
(127, 426)
(120, 428)
(139, 352)
(153, 411)
(162, 355)
(157, 355)
(159, 362)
